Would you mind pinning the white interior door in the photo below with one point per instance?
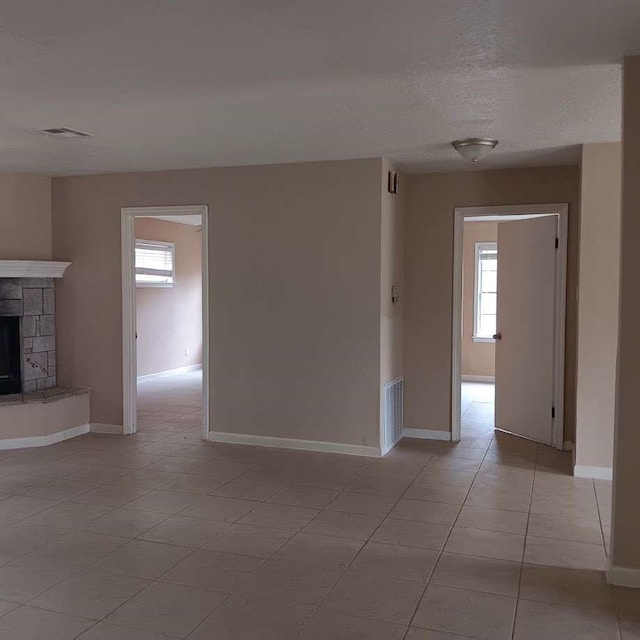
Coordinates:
(525, 327)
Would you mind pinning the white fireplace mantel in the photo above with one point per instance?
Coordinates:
(32, 268)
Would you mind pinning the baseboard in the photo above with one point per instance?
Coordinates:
(470, 378)
(597, 473)
(169, 372)
(623, 577)
(43, 441)
(292, 443)
(427, 434)
(112, 429)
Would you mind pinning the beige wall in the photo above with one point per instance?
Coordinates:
(478, 358)
(169, 319)
(25, 217)
(295, 255)
(43, 418)
(626, 469)
(431, 199)
(598, 303)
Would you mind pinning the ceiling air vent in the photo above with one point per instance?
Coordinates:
(65, 132)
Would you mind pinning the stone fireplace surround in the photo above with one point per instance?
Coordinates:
(43, 413)
(33, 301)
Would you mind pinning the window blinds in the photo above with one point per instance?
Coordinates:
(154, 262)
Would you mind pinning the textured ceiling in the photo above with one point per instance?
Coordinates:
(191, 83)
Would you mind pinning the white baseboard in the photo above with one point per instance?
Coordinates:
(168, 372)
(43, 441)
(597, 473)
(471, 378)
(623, 577)
(113, 429)
(292, 443)
(427, 434)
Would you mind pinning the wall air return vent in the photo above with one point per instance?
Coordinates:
(393, 393)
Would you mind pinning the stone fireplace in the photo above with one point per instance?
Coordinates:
(32, 302)
(34, 410)
(28, 326)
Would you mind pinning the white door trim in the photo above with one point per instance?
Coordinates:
(460, 213)
(129, 365)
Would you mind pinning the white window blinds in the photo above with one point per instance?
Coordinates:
(155, 263)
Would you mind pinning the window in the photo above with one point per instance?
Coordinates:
(486, 286)
(155, 263)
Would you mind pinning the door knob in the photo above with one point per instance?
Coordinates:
(497, 336)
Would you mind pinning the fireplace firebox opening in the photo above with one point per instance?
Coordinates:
(10, 378)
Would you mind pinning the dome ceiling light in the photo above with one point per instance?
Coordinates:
(474, 149)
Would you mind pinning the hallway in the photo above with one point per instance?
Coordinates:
(171, 405)
(477, 409)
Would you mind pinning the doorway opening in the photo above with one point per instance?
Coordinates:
(509, 297)
(165, 321)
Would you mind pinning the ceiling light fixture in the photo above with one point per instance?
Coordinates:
(474, 149)
(65, 132)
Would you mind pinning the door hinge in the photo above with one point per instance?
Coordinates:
(553, 412)
(557, 242)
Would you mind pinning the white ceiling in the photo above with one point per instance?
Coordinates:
(191, 83)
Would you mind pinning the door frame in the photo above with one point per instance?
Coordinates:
(129, 352)
(460, 213)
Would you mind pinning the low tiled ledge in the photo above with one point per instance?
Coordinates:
(48, 395)
(41, 418)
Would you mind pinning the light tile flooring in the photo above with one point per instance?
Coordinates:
(160, 535)
(477, 404)
(172, 406)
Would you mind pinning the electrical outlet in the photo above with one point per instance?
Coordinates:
(187, 352)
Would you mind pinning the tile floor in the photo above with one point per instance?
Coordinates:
(160, 535)
(172, 405)
(477, 404)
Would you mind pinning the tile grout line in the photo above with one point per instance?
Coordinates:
(524, 546)
(441, 552)
(315, 609)
(92, 564)
(595, 493)
(365, 542)
(168, 440)
(193, 550)
(615, 608)
(230, 524)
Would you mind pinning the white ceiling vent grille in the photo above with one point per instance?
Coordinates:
(65, 132)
